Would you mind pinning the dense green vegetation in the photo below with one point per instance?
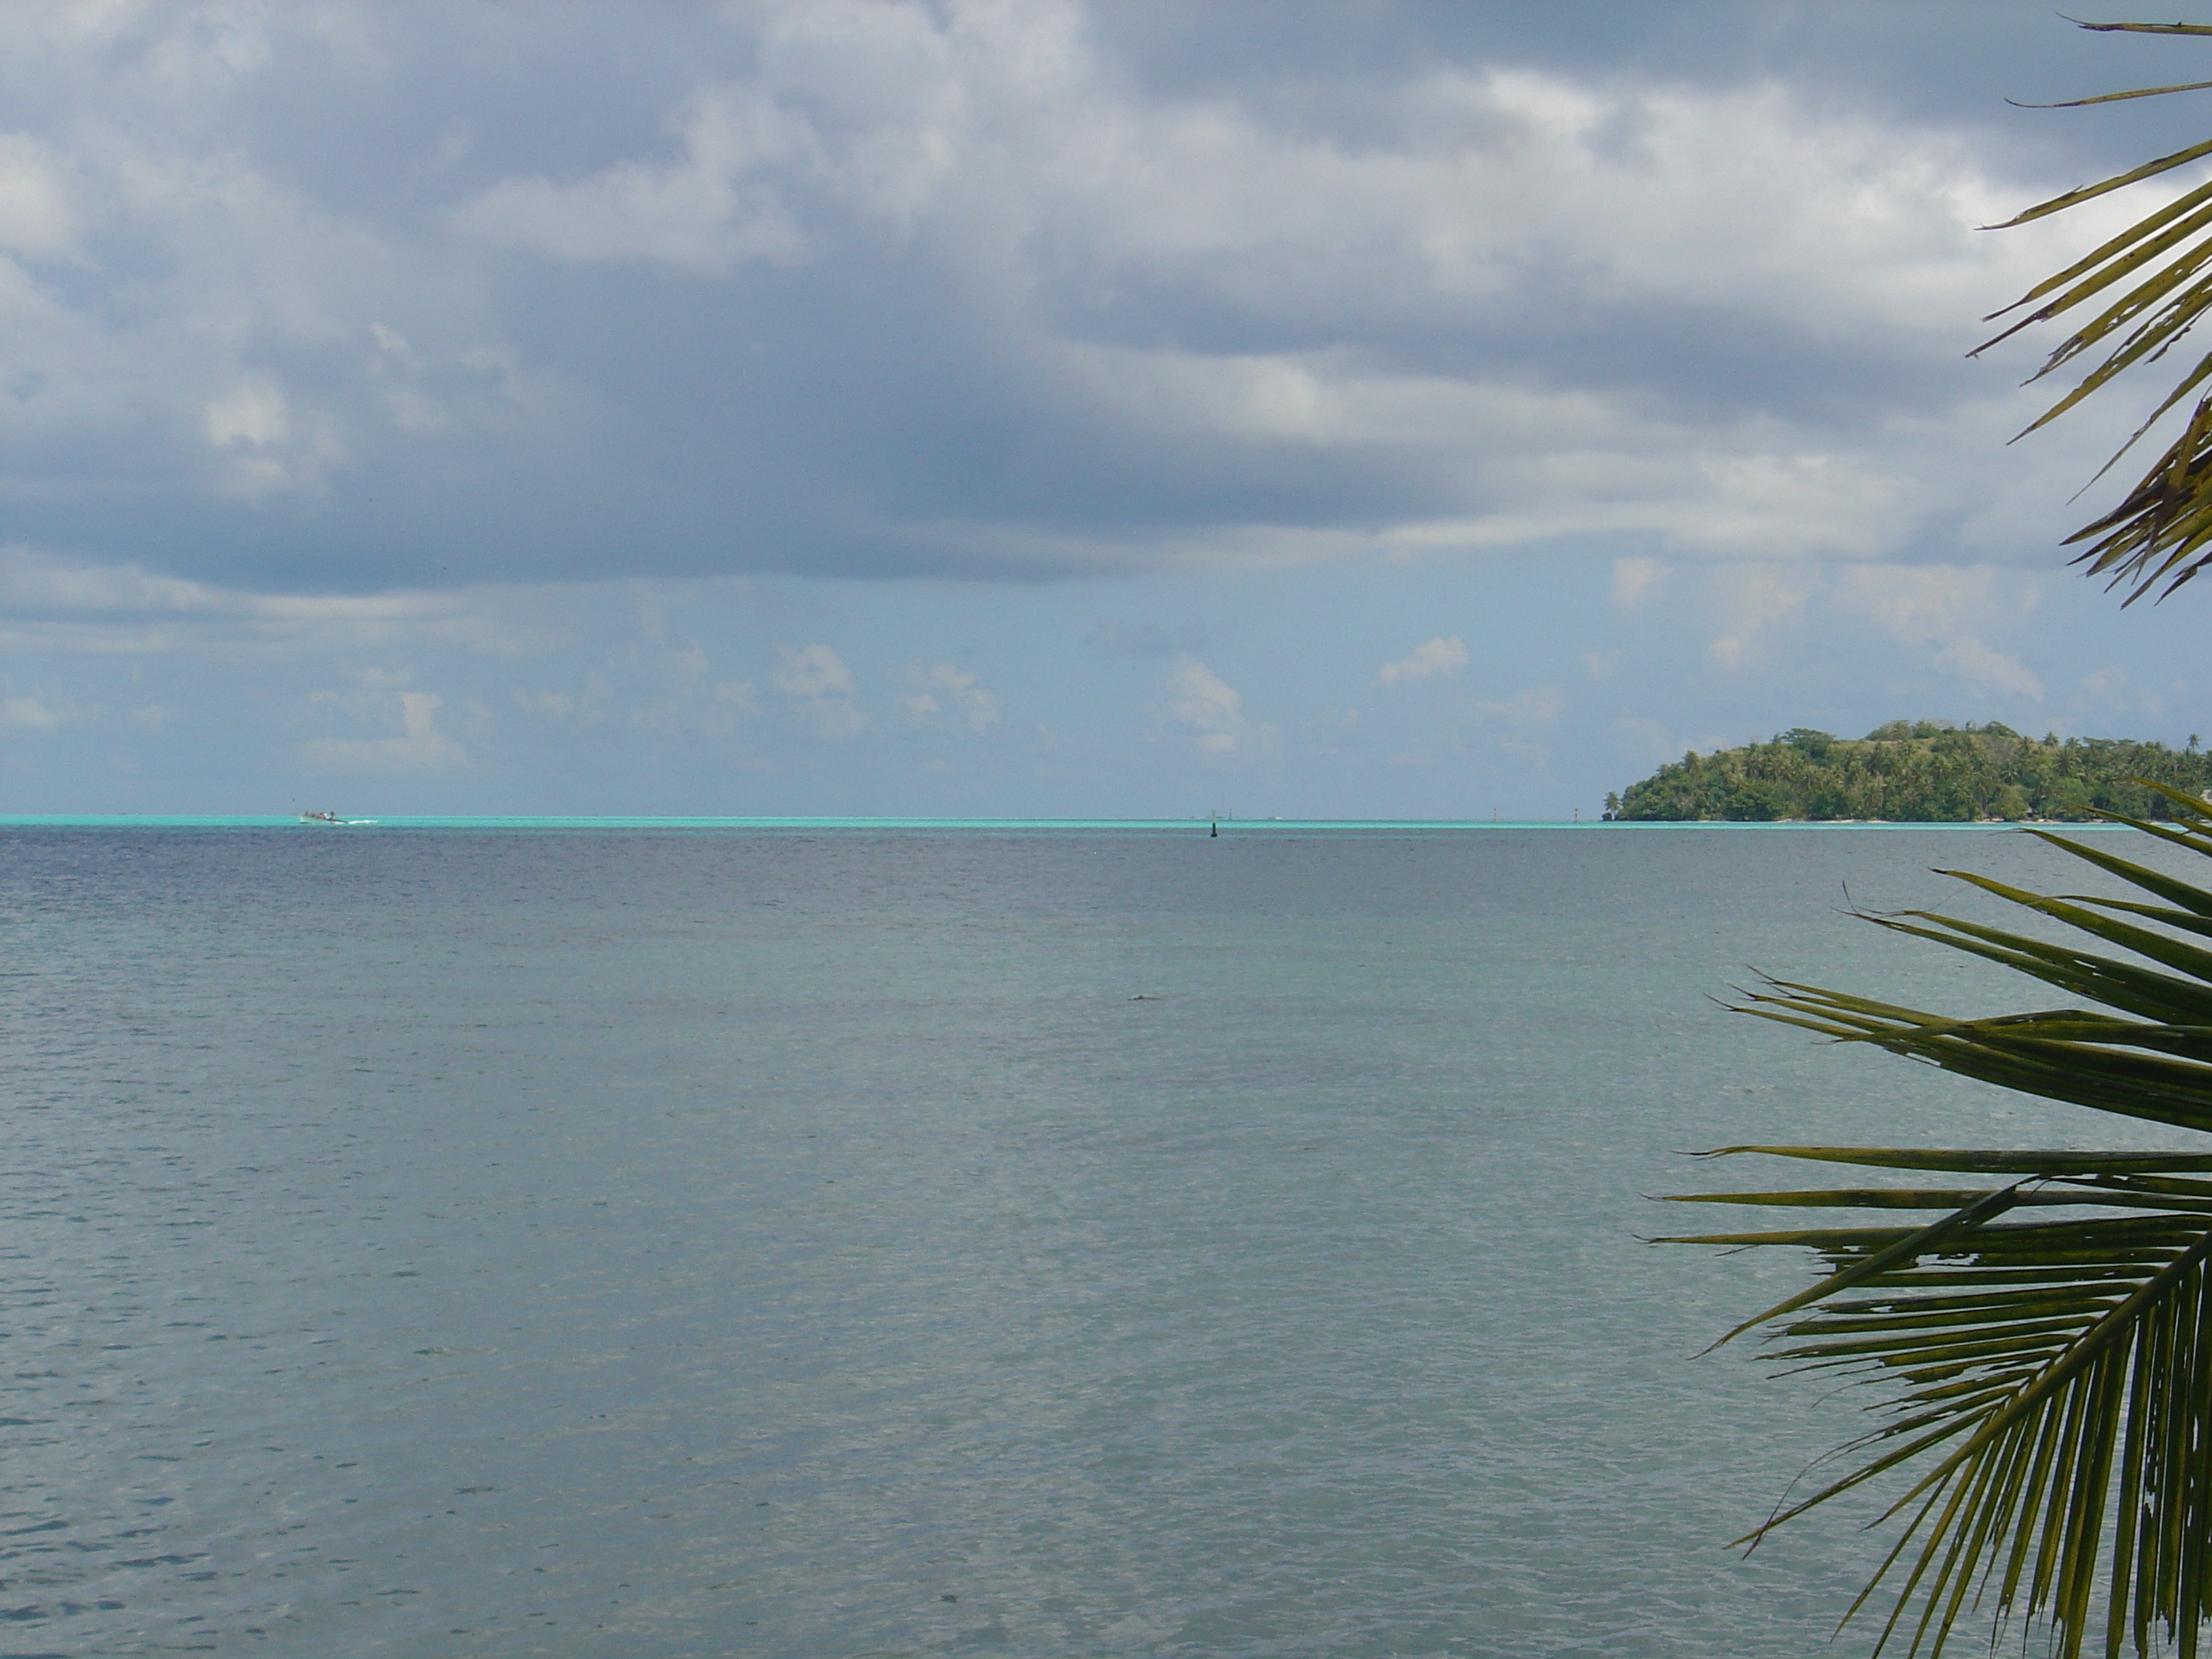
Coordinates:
(1925, 773)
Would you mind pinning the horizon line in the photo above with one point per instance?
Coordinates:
(866, 822)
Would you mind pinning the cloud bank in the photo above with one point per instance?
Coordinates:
(348, 296)
(952, 406)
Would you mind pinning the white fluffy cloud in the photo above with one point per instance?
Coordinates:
(817, 690)
(1937, 610)
(1431, 658)
(945, 694)
(34, 714)
(1753, 598)
(1209, 711)
(419, 746)
(1635, 580)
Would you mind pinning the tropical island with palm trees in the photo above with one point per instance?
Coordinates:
(1919, 772)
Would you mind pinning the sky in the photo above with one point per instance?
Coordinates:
(1298, 408)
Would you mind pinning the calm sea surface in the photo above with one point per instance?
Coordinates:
(427, 1241)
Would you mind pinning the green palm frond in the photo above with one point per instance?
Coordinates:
(2142, 290)
(2046, 1331)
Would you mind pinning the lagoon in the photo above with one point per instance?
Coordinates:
(505, 1239)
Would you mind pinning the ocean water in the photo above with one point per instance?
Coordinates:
(869, 1241)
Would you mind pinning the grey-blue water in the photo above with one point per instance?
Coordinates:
(430, 1243)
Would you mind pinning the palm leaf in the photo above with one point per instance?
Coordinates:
(2045, 1337)
(2133, 299)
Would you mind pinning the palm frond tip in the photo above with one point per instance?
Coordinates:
(2141, 292)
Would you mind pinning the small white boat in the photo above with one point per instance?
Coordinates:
(320, 818)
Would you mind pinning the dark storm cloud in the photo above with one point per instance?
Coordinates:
(1969, 63)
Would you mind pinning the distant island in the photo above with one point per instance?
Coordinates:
(1919, 772)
